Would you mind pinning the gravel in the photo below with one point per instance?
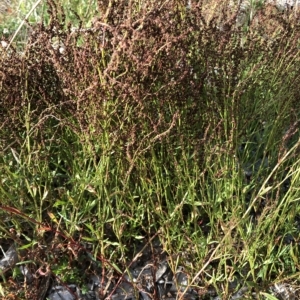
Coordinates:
(143, 281)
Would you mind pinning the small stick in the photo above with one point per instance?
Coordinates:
(22, 23)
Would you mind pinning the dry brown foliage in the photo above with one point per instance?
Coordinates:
(138, 70)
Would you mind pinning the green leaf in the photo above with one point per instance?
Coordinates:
(27, 245)
(116, 267)
(59, 203)
(89, 239)
(265, 190)
(269, 296)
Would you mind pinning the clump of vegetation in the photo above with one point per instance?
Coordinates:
(150, 119)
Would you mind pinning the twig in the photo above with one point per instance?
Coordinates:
(22, 23)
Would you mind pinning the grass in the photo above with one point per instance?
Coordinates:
(180, 132)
